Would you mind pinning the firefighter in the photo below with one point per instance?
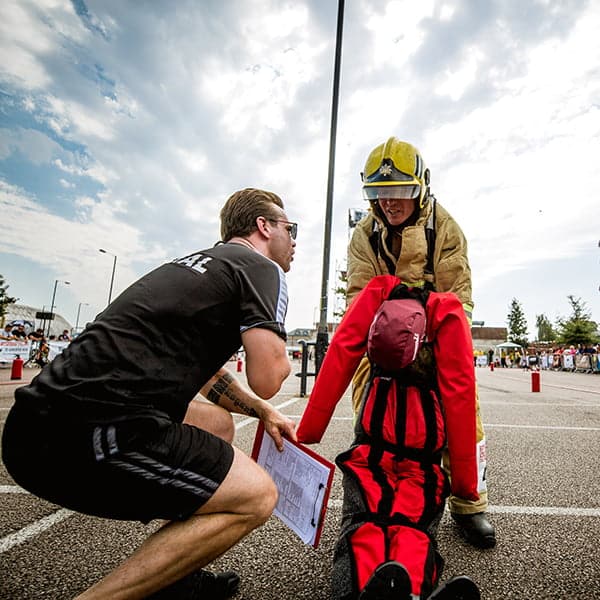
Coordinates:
(407, 233)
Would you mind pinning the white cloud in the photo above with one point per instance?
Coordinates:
(70, 248)
(34, 145)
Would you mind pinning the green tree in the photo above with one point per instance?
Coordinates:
(578, 328)
(340, 294)
(517, 324)
(5, 300)
(545, 331)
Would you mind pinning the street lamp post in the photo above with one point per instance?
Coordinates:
(78, 312)
(322, 333)
(56, 282)
(112, 277)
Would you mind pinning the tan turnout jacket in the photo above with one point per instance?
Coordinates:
(450, 263)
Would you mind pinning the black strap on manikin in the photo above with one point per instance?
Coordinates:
(377, 245)
(418, 374)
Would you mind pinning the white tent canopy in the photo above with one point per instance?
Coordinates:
(508, 346)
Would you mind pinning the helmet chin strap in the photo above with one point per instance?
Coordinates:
(426, 197)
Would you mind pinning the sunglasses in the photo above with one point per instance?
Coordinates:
(292, 228)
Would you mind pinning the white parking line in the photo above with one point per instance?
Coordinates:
(544, 383)
(30, 531)
(543, 404)
(12, 489)
(561, 427)
(553, 511)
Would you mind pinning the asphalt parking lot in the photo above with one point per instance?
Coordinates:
(544, 488)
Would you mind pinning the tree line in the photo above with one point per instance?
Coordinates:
(576, 329)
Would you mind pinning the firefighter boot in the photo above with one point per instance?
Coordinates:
(476, 529)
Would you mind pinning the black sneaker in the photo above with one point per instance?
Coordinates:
(457, 588)
(200, 585)
(476, 529)
(389, 581)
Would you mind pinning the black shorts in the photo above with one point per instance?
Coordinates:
(141, 468)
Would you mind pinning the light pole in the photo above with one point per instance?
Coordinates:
(112, 277)
(78, 312)
(322, 334)
(56, 282)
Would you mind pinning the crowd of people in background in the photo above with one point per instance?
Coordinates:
(535, 358)
(40, 349)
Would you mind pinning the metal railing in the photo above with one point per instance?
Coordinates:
(304, 373)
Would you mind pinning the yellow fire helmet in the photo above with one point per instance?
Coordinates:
(395, 170)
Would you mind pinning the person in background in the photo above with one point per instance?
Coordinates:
(111, 426)
(64, 336)
(37, 335)
(7, 334)
(19, 332)
(407, 233)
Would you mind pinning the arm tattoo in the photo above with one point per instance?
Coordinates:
(221, 388)
(242, 405)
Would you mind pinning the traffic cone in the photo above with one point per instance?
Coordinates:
(239, 365)
(492, 366)
(16, 371)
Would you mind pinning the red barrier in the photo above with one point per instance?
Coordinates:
(16, 371)
(239, 365)
(535, 381)
(492, 366)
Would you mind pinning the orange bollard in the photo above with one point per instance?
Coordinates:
(535, 381)
(239, 365)
(16, 371)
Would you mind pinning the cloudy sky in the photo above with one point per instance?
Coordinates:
(125, 125)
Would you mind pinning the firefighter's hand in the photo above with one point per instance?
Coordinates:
(277, 425)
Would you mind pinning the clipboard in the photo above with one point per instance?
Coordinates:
(303, 479)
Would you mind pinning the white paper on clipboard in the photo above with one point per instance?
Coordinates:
(303, 480)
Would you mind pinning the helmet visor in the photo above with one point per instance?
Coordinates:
(391, 192)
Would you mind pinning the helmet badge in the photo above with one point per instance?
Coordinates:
(385, 169)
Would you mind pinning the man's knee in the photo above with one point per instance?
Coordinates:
(248, 491)
(265, 499)
(225, 427)
(211, 418)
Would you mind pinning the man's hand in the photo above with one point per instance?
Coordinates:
(225, 390)
(277, 424)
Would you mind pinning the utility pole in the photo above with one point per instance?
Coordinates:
(322, 333)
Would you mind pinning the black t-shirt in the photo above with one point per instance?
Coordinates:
(163, 338)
